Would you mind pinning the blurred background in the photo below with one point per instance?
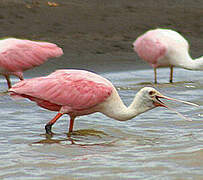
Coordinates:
(97, 34)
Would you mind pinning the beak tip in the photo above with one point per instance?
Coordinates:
(197, 105)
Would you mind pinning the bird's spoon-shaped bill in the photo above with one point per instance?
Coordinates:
(177, 100)
(160, 103)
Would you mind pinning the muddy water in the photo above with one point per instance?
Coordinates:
(155, 145)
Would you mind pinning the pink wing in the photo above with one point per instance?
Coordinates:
(149, 47)
(20, 55)
(77, 92)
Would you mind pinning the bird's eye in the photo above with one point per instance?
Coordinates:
(151, 93)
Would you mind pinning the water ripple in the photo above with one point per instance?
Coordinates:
(155, 145)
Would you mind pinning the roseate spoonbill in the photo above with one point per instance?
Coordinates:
(166, 48)
(18, 55)
(79, 92)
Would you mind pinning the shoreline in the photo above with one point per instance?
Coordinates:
(97, 35)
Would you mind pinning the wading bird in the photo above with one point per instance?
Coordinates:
(79, 92)
(18, 55)
(166, 48)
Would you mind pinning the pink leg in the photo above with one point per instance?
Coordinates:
(50, 123)
(71, 124)
(8, 81)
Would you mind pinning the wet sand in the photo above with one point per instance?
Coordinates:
(96, 34)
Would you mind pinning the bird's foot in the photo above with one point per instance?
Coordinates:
(48, 129)
(70, 133)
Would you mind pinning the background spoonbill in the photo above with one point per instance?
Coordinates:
(166, 48)
(17, 55)
(79, 92)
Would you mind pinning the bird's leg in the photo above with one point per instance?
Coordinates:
(50, 123)
(155, 76)
(72, 118)
(171, 74)
(21, 78)
(8, 81)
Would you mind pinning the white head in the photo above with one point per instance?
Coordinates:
(148, 98)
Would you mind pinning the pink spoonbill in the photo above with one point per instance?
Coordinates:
(18, 55)
(166, 48)
(79, 92)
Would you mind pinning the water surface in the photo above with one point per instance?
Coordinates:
(155, 145)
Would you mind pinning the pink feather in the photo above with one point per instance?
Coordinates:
(18, 55)
(149, 47)
(71, 89)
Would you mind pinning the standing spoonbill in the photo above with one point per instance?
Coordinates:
(166, 48)
(18, 55)
(79, 92)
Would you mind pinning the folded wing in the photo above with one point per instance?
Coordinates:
(78, 92)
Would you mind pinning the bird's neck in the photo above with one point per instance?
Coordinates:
(185, 61)
(117, 110)
(198, 63)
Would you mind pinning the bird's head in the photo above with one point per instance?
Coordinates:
(148, 98)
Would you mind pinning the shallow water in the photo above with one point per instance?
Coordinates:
(155, 145)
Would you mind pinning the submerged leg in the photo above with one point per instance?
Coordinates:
(8, 81)
(50, 123)
(72, 118)
(171, 74)
(21, 78)
(155, 76)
